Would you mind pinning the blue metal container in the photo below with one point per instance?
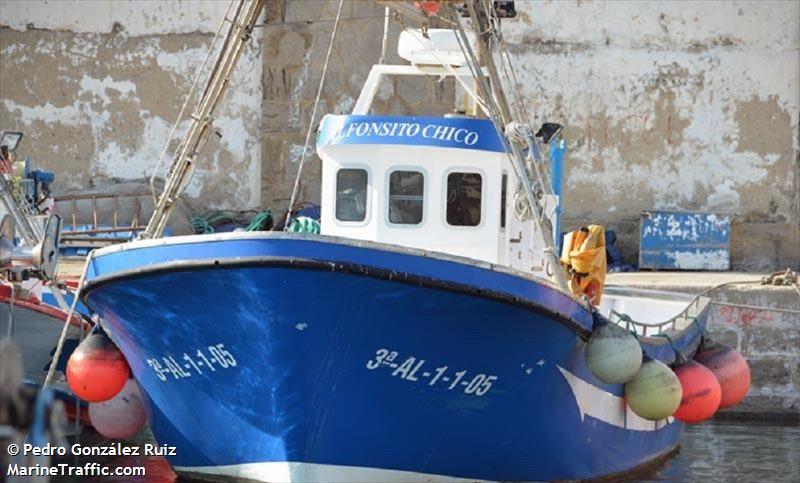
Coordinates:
(674, 240)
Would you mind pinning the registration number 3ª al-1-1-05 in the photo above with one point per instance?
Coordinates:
(414, 369)
(202, 361)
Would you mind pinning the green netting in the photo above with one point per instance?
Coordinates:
(304, 224)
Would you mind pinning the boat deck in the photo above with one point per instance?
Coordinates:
(70, 267)
(684, 282)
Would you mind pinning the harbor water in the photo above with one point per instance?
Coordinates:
(710, 452)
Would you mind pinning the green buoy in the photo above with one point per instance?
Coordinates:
(655, 392)
(613, 354)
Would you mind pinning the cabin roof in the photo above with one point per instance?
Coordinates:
(442, 132)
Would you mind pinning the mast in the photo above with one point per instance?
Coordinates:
(516, 132)
(239, 34)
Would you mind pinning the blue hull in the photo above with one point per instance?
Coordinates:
(270, 355)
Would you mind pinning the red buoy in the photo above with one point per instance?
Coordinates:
(122, 416)
(730, 369)
(429, 8)
(97, 371)
(701, 393)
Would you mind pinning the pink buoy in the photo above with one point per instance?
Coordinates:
(731, 369)
(122, 416)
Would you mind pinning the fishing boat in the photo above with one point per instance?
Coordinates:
(427, 334)
(37, 328)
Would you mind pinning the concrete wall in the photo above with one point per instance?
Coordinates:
(769, 337)
(667, 105)
(673, 105)
(96, 87)
(295, 43)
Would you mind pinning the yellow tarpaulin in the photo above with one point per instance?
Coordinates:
(584, 259)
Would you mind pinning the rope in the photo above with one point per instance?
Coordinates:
(756, 307)
(160, 161)
(304, 224)
(296, 187)
(679, 359)
(260, 221)
(628, 321)
(201, 225)
(500, 117)
(690, 303)
(205, 224)
(437, 54)
(518, 132)
(508, 66)
(669, 339)
(60, 299)
(517, 98)
(385, 41)
(697, 323)
(625, 318)
(788, 278)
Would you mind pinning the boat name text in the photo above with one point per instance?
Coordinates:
(439, 132)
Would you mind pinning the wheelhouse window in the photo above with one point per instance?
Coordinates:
(351, 194)
(406, 192)
(464, 192)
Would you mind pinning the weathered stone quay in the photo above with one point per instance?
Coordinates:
(761, 321)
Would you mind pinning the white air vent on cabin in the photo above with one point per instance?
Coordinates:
(441, 47)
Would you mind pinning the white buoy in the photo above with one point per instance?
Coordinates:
(613, 354)
(122, 416)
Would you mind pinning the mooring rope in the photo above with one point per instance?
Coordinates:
(60, 299)
(311, 121)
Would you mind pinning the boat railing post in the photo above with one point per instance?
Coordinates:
(558, 148)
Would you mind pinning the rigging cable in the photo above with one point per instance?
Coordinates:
(509, 72)
(385, 40)
(437, 54)
(311, 122)
(160, 161)
(501, 117)
(62, 303)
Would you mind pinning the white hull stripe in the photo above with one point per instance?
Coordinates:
(607, 407)
(290, 472)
